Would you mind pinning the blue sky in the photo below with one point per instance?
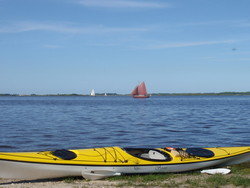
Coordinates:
(175, 46)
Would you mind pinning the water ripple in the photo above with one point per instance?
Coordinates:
(47, 123)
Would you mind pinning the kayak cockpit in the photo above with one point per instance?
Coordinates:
(149, 154)
(64, 154)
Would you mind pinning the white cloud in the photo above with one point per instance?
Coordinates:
(190, 44)
(64, 28)
(229, 23)
(121, 4)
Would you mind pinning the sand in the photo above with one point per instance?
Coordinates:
(54, 183)
(178, 181)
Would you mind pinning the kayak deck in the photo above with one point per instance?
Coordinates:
(122, 156)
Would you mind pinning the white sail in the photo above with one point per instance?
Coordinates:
(92, 92)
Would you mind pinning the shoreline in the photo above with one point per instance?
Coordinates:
(247, 93)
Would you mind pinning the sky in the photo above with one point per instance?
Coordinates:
(73, 46)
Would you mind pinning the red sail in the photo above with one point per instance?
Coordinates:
(135, 91)
(142, 89)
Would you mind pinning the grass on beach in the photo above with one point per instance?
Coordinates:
(239, 177)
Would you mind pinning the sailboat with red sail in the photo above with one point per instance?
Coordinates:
(140, 91)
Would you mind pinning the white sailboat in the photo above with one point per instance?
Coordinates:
(92, 93)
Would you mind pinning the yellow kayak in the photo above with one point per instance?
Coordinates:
(97, 163)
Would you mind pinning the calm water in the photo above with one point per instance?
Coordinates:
(48, 123)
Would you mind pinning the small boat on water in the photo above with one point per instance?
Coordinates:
(140, 91)
(92, 93)
(98, 163)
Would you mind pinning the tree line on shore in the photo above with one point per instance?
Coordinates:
(152, 94)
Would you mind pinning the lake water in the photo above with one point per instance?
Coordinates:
(49, 123)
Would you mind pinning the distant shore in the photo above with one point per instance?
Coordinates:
(152, 94)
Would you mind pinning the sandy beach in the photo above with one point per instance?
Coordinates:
(53, 183)
(178, 180)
